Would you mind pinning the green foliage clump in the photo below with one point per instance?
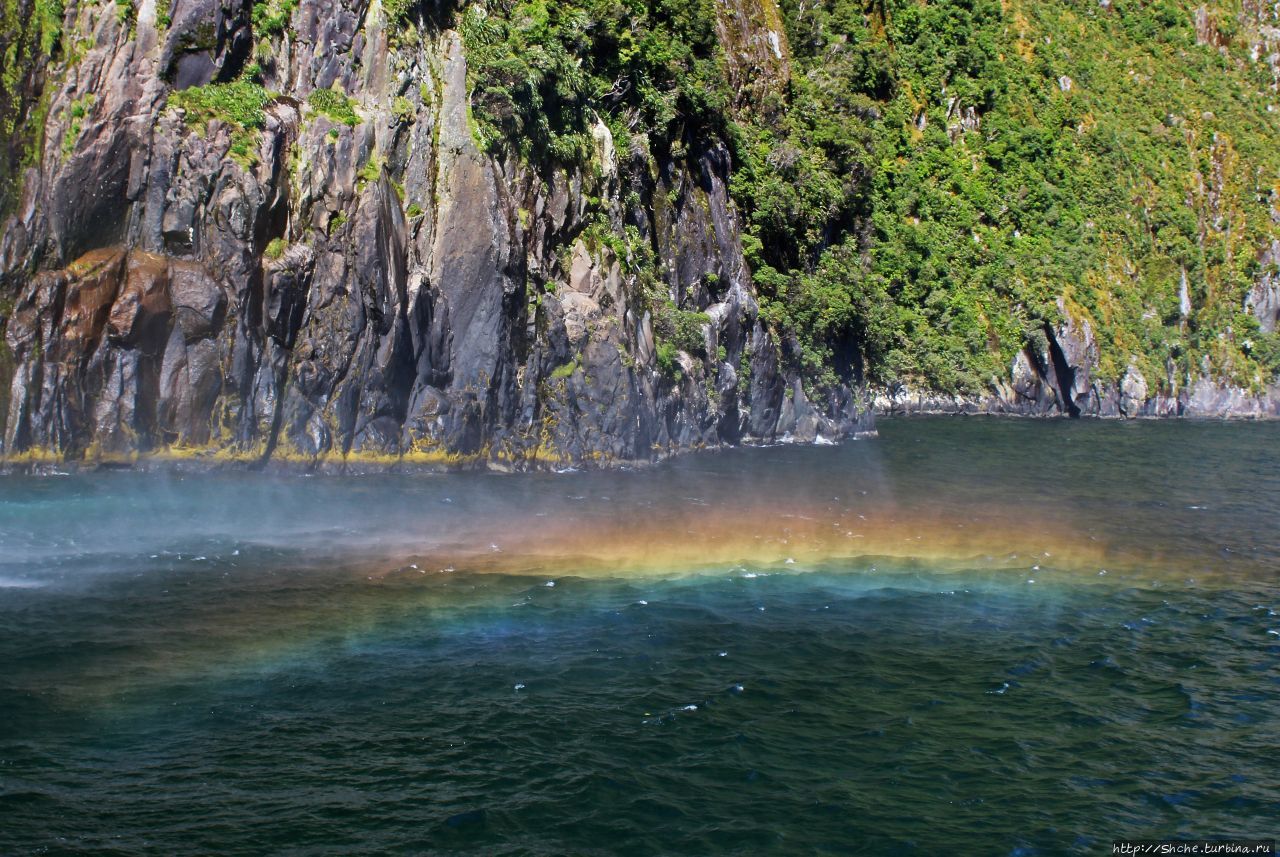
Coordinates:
(335, 105)
(47, 15)
(542, 71)
(561, 373)
(396, 11)
(680, 328)
(275, 248)
(241, 104)
(270, 17)
(403, 109)
(667, 357)
(371, 170)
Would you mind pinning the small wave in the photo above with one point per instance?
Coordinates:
(18, 583)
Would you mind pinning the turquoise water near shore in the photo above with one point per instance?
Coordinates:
(965, 636)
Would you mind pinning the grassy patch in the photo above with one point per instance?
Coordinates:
(370, 171)
(270, 17)
(335, 105)
(240, 104)
(561, 373)
(78, 110)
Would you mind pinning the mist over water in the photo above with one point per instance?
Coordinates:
(965, 636)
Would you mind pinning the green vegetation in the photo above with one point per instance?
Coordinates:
(270, 17)
(666, 357)
(275, 248)
(78, 110)
(371, 171)
(241, 104)
(937, 181)
(541, 71)
(679, 328)
(561, 373)
(403, 109)
(397, 11)
(47, 15)
(29, 37)
(335, 105)
(1004, 156)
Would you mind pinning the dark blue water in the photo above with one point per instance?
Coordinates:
(237, 664)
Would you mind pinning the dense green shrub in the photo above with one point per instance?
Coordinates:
(542, 71)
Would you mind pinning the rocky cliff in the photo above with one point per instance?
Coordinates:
(252, 239)
(373, 233)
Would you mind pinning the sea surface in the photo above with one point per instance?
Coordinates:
(966, 636)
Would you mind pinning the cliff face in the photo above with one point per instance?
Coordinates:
(326, 267)
(531, 234)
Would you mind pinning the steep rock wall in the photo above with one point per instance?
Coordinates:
(370, 288)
